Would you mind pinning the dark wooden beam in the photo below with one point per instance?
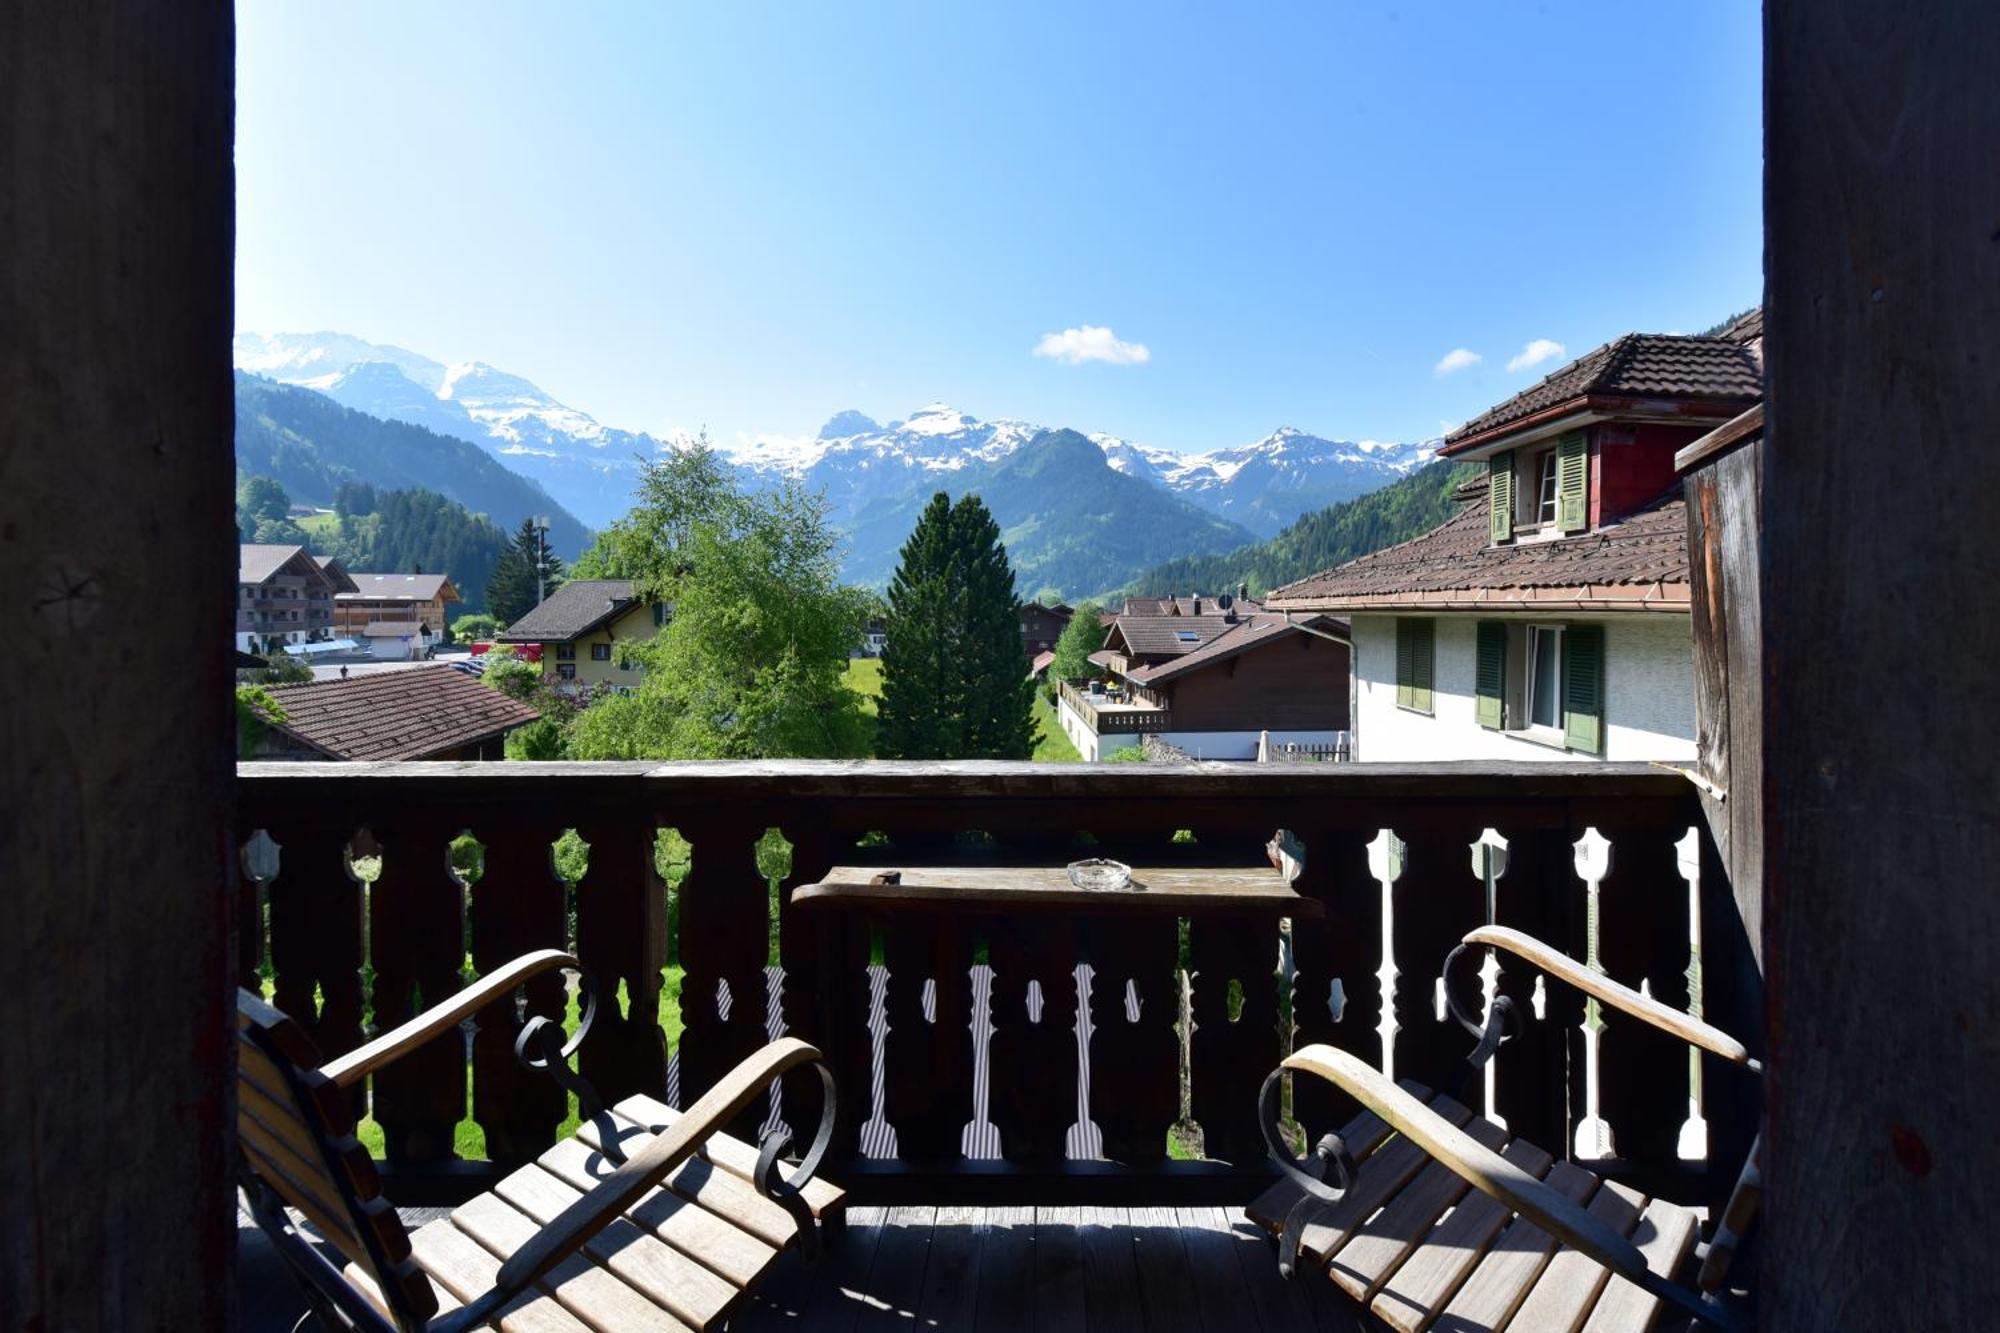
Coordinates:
(1882, 663)
(117, 572)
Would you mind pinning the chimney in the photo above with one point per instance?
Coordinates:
(1242, 592)
(1197, 605)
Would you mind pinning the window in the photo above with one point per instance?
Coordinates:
(566, 670)
(1545, 487)
(600, 652)
(566, 652)
(1416, 648)
(1187, 636)
(1543, 659)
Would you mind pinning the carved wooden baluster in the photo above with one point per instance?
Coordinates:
(1033, 1064)
(621, 936)
(1134, 1065)
(316, 938)
(1229, 1056)
(1334, 954)
(825, 957)
(927, 1090)
(1593, 1134)
(725, 927)
(257, 863)
(1642, 941)
(518, 905)
(1489, 863)
(1693, 1144)
(416, 937)
(1385, 864)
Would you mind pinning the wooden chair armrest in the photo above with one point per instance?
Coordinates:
(1490, 1173)
(1592, 982)
(406, 1037)
(624, 1187)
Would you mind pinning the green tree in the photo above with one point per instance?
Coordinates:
(750, 664)
(475, 628)
(261, 499)
(953, 684)
(1079, 639)
(516, 585)
(256, 709)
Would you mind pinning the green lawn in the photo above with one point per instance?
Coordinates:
(321, 525)
(864, 677)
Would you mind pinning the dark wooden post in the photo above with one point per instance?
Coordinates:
(1882, 663)
(115, 538)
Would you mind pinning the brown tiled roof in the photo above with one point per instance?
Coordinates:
(1250, 632)
(1192, 604)
(397, 714)
(1637, 563)
(1640, 365)
(577, 607)
(418, 587)
(1745, 327)
(1156, 635)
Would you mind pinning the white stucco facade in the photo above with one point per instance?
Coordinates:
(1197, 744)
(1648, 693)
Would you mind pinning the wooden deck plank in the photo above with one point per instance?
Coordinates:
(1430, 1276)
(1281, 1303)
(1381, 1174)
(1665, 1235)
(1222, 1295)
(714, 1187)
(951, 1276)
(1007, 1271)
(588, 1289)
(1512, 1263)
(837, 1282)
(1110, 1272)
(1061, 1305)
(1166, 1288)
(1379, 1245)
(896, 1277)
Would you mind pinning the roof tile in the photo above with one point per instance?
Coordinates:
(1661, 365)
(397, 714)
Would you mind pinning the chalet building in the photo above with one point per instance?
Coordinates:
(1041, 626)
(284, 597)
(1211, 684)
(579, 625)
(1549, 618)
(1192, 605)
(395, 599)
(426, 712)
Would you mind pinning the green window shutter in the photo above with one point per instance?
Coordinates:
(1489, 677)
(1583, 688)
(1573, 482)
(1500, 496)
(1423, 648)
(1405, 661)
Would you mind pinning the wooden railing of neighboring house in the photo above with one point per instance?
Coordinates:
(1118, 721)
(1606, 860)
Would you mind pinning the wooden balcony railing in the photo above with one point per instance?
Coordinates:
(1121, 721)
(980, 1064)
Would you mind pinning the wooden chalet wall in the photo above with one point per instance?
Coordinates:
(116, 1207)
(1882, 663)
(1296, 683)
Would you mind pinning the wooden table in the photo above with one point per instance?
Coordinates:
(1242, 891)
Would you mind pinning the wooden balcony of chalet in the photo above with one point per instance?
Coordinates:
(1051, 1107)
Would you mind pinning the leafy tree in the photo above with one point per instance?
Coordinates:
(256, 709)
(1081, 637)
(262, 498)
(952, 682)
(516, 584)
(751, 664)
(475, 628)
(513, 676)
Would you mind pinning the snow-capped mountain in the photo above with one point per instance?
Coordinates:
(863, 466)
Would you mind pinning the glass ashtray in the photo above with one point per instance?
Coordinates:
(1099, 873)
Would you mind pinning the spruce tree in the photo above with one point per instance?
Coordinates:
(954, 685)
(512, 591)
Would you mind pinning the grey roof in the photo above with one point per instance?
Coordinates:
(576, 608)
(1639, 365)
(256, 562)
(418, 587)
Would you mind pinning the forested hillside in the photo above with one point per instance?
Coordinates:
(1402, 510)
(406, 532)
(310, 445)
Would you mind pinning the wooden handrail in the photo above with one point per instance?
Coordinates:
(365, 1059)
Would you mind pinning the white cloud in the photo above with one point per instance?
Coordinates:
(1536, 352)
(1091, 342)
(1458, 358)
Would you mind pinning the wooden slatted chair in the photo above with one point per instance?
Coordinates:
(649, 1219)
(1431, 1217)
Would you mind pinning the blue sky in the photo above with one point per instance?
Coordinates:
(750, 216)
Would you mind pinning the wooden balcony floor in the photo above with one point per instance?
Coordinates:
(1133, 1270)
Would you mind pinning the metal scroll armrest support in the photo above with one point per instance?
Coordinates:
(786, 1190)
(1501, 1024)
(541, 1047)
(1329, 1156)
